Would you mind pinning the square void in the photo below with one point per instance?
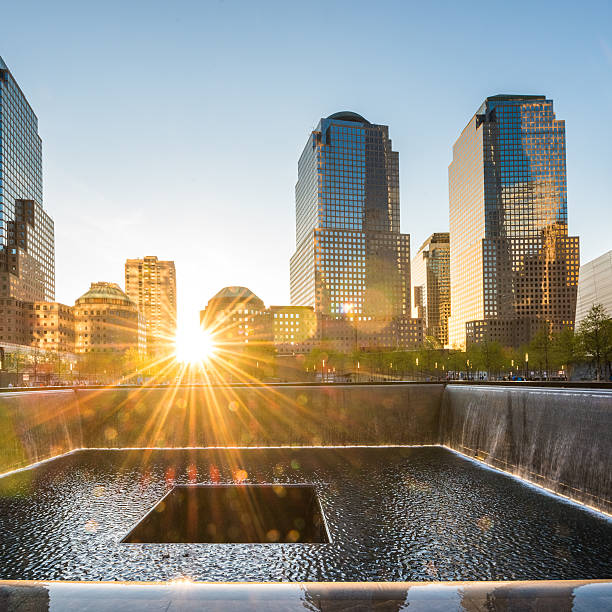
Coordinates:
(233, 514)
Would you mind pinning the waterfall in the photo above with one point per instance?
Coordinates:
(37, 425)
(560, 439)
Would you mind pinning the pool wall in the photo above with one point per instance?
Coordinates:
(560, 439)
(38, 425)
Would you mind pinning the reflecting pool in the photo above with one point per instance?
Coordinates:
(421, 513)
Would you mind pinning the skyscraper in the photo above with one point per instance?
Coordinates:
(430, 275)
(350, 256)
(27, 258)
(513, 266)
(151, 285)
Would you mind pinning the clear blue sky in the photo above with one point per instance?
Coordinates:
(174, 128)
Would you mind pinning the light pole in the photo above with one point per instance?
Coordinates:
(417, 362)
(526, 366)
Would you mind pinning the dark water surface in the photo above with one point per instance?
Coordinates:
(392, 514)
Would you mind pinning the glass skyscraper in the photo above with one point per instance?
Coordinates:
(350, 256)
(27, 261)
(430, 275)
(513, 266)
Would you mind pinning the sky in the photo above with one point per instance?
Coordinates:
(174, 128)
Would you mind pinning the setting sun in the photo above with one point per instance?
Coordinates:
(194, 346)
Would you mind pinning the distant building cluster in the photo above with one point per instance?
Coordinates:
(506, 268)
(237, 318)
(105, 318)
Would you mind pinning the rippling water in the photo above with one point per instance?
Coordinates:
(392, 513)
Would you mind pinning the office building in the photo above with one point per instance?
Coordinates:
(595, 286)
(514, 268)
(107, 321)
(13, 322)
(27, 258)
(430, 277)
(350, 333)
(151, 285)
(51, 326)
(350, 256)
(294, 328)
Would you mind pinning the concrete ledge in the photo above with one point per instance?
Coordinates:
(562, 595)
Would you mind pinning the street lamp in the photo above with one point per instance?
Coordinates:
(526, 365)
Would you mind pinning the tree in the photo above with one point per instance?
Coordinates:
(594, 339)
(487, 356)
(565, 350)
(541, 349)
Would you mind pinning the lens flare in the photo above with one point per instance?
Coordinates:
(194, 346)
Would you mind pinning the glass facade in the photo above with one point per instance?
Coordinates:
(513, 265)
(27, 260)
(350, 256)
(430, 277)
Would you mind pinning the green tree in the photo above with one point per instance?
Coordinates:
(564, 350)
(259, 360)
(489, 357)
(541, 349)
(594, 339)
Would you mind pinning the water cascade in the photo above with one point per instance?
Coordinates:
(560, 439)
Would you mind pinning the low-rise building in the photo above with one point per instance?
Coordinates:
(51, 326)
(13, 322)
(106, 320)
(347, 334)
(236, 316)
(294, 328)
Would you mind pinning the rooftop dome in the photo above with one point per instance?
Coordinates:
(349, 116)
(104, 291)
(235, 293)
(234, 297)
